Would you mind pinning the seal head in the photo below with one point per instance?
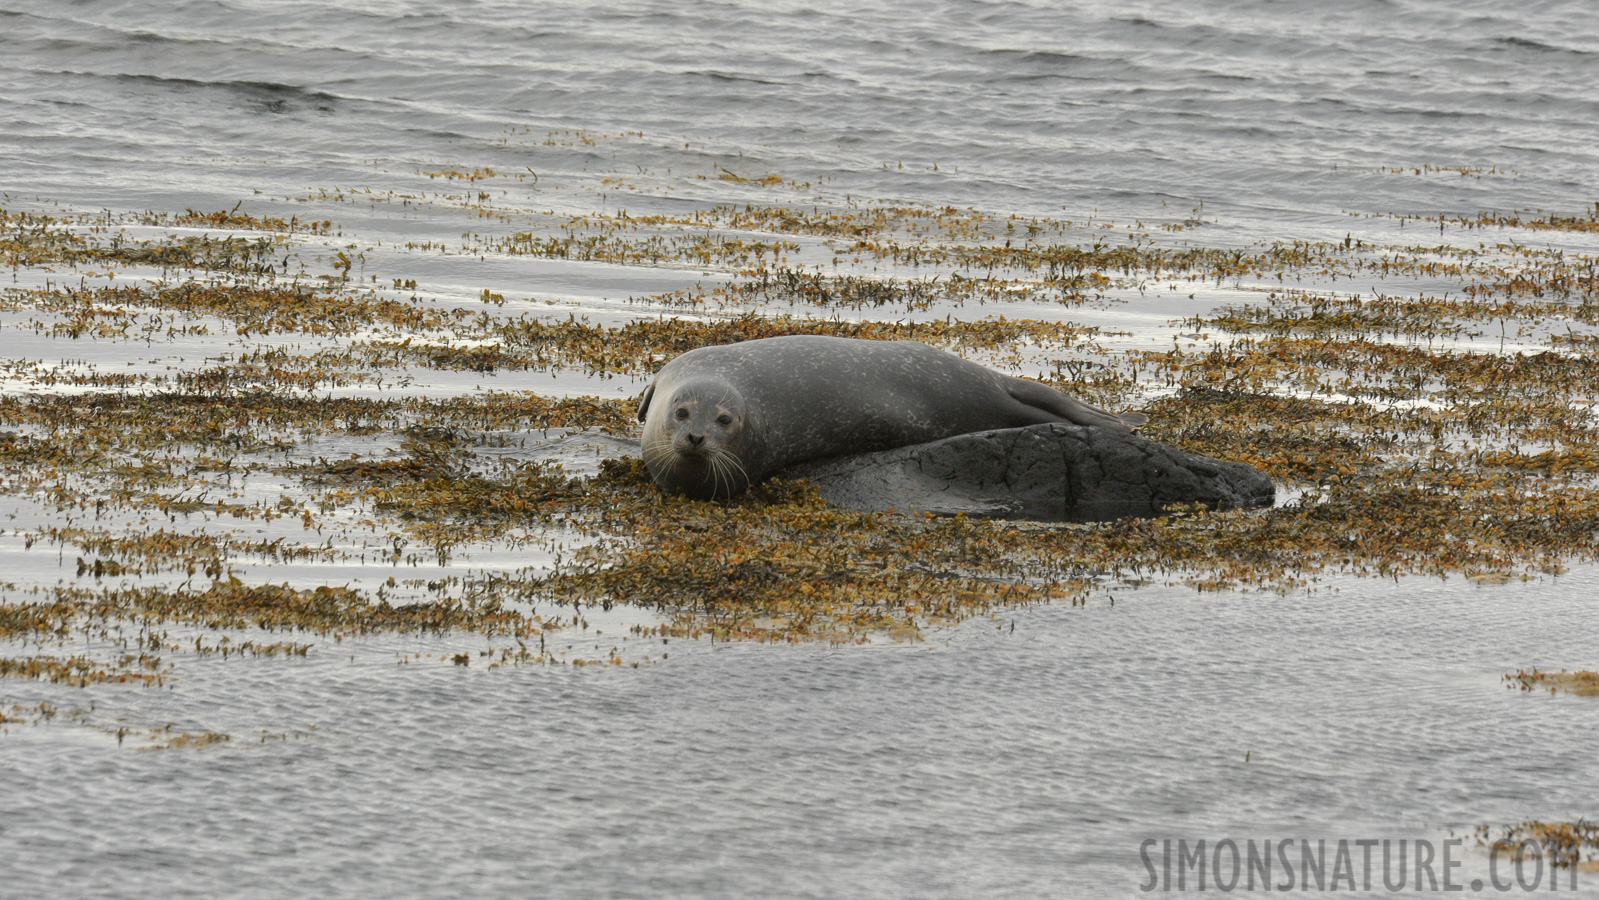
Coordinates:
(695, 443)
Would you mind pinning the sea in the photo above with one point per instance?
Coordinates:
(1047, 751)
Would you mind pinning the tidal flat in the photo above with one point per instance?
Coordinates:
(295, 432)
(223, 420)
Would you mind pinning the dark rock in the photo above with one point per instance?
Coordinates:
(1055, 472)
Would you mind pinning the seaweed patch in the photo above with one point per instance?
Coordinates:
(1427, 405)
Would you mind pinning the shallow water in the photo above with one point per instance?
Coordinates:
(1022, 755)
(1030, 754)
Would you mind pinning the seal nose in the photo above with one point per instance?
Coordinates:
(696, 439)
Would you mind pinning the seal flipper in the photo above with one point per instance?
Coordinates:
(1039, 396)
(644, 401)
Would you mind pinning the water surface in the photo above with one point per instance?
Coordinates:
(1020, 755)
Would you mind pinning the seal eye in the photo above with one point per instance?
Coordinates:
(724, 420)
(682, 412)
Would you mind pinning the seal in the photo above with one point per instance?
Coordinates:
(719, 419)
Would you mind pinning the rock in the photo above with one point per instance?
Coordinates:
(1055, 472)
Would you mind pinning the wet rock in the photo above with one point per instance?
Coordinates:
(1055, 472)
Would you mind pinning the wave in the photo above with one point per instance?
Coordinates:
(273, 96)
(1520, 43)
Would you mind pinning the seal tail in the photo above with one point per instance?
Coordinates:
(1070, 408)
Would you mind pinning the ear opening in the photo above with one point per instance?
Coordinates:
(644, 402)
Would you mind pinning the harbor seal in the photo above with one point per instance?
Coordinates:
(719, 419)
